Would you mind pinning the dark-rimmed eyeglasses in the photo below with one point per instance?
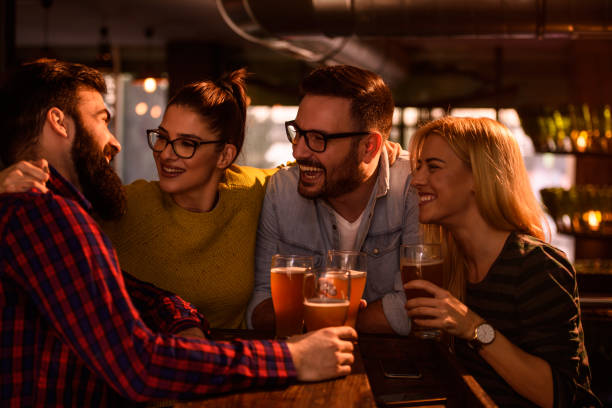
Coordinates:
(315, 140)
(182, 147)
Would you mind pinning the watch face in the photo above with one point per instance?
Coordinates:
(485, 333)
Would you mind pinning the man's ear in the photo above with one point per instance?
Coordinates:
(227, 156)
(57, 121)
(372, 144)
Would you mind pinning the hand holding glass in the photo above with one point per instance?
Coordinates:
(422, 261)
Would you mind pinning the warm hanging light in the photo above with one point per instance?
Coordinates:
(156, 111)
(141, 108)
(149, 85)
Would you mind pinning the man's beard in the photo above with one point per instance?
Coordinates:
(345, 178)
(99, 182)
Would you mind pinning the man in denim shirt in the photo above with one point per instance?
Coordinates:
(341, 195)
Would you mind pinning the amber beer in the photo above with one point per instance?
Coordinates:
(430, 271)
(355, 263)
(358, 281)
(324, 312)
(287, 285)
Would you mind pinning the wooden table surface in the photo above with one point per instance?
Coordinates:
(350, 391)
(443, 382)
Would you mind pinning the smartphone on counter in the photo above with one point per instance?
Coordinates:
(400, 369)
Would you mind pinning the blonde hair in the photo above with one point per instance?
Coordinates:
(501, 183)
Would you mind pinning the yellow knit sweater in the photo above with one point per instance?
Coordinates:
(206, 258)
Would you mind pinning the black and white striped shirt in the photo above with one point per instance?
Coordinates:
(531, 296)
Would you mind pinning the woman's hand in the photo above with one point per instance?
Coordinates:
(526, 373)
(25, 175)
(393, 151)
(444, 311)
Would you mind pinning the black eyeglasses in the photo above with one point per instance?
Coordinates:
(183, 148)
(315, 140)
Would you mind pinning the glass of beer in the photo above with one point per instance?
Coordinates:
(422, 261)
(353, 263)
(287, 276)
(326, 299)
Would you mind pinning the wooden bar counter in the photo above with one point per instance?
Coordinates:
(442, 382)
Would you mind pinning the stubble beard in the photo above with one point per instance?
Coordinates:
(99, 182)
(344, 179)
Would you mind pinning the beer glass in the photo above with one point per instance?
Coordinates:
(430, 234)
(287, 276)
(422, 261)
(326, 299)
(354, 263)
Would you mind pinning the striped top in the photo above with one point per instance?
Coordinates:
(530, 295)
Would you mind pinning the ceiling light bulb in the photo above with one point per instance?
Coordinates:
(150, 85)
(156, 111)
(141, 108)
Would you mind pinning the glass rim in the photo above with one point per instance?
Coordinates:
(293, 256)
(346, 252)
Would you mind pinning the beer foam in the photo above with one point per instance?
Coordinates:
(357, 274)
(289, 270)
(341, 273)
(326, 302)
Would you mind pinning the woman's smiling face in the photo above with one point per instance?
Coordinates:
(444, 183)
(186, 177)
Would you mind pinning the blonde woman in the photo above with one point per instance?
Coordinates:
(512, 303)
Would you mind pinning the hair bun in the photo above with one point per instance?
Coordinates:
(237, 77)
(230, 81)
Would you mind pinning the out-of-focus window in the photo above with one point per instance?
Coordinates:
(266, 143)
(134, 110)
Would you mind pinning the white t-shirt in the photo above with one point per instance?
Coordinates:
(347, 231)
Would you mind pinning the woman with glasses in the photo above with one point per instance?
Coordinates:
(193, 231)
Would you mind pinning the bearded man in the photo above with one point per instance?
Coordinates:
(75, 330)
(342, 195)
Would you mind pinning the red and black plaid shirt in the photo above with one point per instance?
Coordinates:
(70, 335)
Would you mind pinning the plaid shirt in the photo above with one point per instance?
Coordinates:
(71, 335)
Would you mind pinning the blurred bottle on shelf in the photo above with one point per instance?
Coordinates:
(572, 129)
(607, 129)
(581, 209)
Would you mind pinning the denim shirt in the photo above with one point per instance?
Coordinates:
(292, 224)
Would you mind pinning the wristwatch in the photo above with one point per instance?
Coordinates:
(483, 334)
